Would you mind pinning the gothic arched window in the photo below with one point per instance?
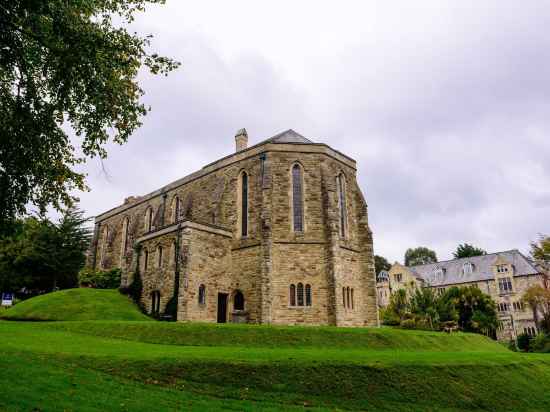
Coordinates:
(297, 198)
(292, 295)
(341, 183)
(300, 294)
(244, 204)
(308, 295)
(148, 219)
(175, 209)
(124, 242)
(159, 256)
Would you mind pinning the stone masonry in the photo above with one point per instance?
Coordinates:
(275, 233)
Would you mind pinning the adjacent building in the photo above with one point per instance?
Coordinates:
(273, 233)
(504, 276)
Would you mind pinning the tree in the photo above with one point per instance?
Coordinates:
(419, 256)
(380, 264)
(476, 310)
(467, 250)
(42, 256)
(541, 250)
(424, 304)
(65, 63)
(538, 299)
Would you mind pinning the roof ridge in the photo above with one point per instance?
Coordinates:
(468, 257)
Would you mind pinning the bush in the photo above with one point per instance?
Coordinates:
(99, 279)
(523, 341)
(134, 290)
(540, 343)
(408, 324)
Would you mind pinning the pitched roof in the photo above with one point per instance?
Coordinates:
(288, 136)
(482, 268)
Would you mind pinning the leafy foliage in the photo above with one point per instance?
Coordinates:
(380, 264)
(538, 299)
(541, 250)
(40, 255)
(65, 63)
(419, 256)
(100, 279)
(467, 250)
(466, 307)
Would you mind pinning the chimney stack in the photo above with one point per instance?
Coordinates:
(241, 140)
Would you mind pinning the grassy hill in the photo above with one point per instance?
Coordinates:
(76, 304)
(126, 362)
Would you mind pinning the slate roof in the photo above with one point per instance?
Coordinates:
(482, 268)
(288, 136)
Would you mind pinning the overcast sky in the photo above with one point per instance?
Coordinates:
(444, 105)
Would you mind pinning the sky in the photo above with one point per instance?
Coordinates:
(445, 106)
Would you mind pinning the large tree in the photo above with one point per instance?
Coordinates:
(380, 264)
(419, 256)
(41, 255)
(65, 63)
(540, 250)
(467, 250)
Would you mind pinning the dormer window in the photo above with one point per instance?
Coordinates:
(467, 268)
(438, 273)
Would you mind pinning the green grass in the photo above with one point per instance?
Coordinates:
(256, 367)
(126, 362)
(76, 304)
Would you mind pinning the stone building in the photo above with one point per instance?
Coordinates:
(274, 233)
(504, 276)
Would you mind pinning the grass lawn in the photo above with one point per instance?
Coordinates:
(243, 367)
(127, 362)
(76, 304)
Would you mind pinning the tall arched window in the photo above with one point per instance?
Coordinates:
(175, 209)
(202, 295)
(297, 199)
(348, 297)
(300, 294)
(159, 256)
(124, 242)
(244, 204)
(103, 249)
(352, 303)
(148, 219)
(344, 297)
(341, 181)
(238, 301)
(292, 296)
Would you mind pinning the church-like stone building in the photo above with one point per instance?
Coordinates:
(274, 233)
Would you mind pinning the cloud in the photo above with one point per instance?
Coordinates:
(444, 105)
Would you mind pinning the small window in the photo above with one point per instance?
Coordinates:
(308, 295)
(300, 293)
(467, 268)
(502, 268)
(202, 295)
(292, 295)
(159, 256)
(398, 277)
(238, 303)
(145, 259)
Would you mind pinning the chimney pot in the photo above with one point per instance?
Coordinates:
(241, 140)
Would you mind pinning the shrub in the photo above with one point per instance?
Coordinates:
(100, 279)
(408, 324)
(134, 290)
(540, 343)
(523, 341)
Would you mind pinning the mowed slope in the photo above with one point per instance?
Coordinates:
(76, 304)
(128, 365)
